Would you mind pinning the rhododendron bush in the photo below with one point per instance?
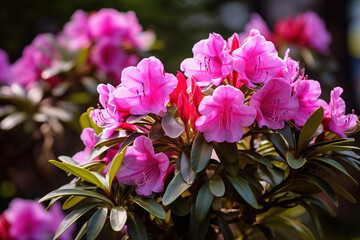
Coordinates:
(223, 149)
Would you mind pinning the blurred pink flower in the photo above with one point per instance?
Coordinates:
(29, 220)
(335, 118)
(224, 115)
(257, 60)
(307, 30)
(274, 104)
(145, 88)
(256, 22)
(142, 167)
(4, 67)
(211, 62)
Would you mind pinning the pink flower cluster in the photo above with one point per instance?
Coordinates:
(27, 219)
(113, 40)
(230, 85)
(305, 30)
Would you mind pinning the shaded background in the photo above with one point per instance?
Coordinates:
(179, 24)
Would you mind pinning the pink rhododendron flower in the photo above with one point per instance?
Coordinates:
(211, 62)
(4, 67)
(274, 104)
(29, 220)
(257, 60)
(110, 58)
(307, 93)
(256, 22)
(335, 118)
(113, 115)
(291, 70)
(145, 88)
(142, 167)
(76, 32)
(224, 115)
(306, 30)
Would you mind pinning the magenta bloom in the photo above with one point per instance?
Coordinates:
(257, 60)
(110, 58)
(76, 32)
(142, 167)
(211, 62)
(256, 22)
(307, 93)
(113, 115)
(145, 88)
(29, 220)
(224, 115)
(274, 104)
(4, 67)
(291, 70)
(335, 118)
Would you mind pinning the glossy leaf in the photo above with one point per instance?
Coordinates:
(156, 131)
(325, 187)
(171, 126)
(135, 227)
(287, 134)
(180, 207)
(314, 217)
(151, 206)
(256, 157)
(72, 201)
(253, 181)
(293, 162)
(187, 173)
(96, 223)
(278, 142)
(204, 199)
(114, 167)
(309, 128)
(68, 160)
(243, 188)
(228, 151)
(175, 188)
(217, 186)
(225, 229)
(82, 231)
(341, 191)
(118, 218)
(72, 217)
(200, 153)
(324, 206)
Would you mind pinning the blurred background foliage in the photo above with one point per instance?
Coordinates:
(178, 24)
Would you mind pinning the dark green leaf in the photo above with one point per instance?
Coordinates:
(342, 191)
(293, 162)
(118, 217)
(200, 153)
(82, 231)
(324, 206)
(331, 148)
(203, 202)
(325, 167)
(129, 140)
(256, 156)
(243, 188)
(96, 223)
(314, 217)
(171, 126)
(253, 181)
(151, 206)
(278, 142)
(225, 229)
(286, 133)
(310, 127)
(96, 152)
(187, 173)
(156, 131)
(180, 207)
(227, 151)
(175, 188)
(217, 186)
(135, 227)
(323, 186)
(72, 217)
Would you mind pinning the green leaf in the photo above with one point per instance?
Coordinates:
(187, 173)
(321, 204)
(96, 223)
(151, 206)
(68, 160)
(268, 232)
(200, 153)
(341, 191)
(72, 217)
(77, 192)
(225, 229)
(118, 218)
(336, 165)
(331, 148)
(325, 187)
(253, 181)
(171, 126)
(309, 129)
(243, 188)
(293, 162)
(217, 186)
(72, 201)
(82, 173)
(87, 122)
(180, 207)
(115, 165)
(278, 142)
(156, 131)
(314, 217)
(82, 231)
(287, 134)
(135, 227)
(95, 152)
(175, 188)
(204, 199)
(228, 151)
(256, 157)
